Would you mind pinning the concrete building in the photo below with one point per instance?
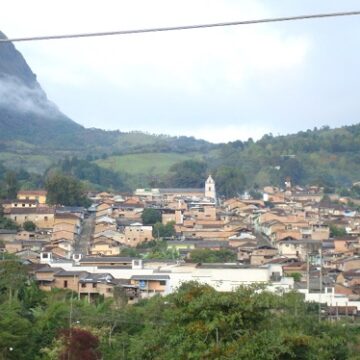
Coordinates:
(223, 277)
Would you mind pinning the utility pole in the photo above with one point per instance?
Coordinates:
(307, 269)
(70, 317)
(320, 281)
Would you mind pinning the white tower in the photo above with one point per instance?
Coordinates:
(210, 191)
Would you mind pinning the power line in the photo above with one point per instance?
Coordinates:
(185, 27)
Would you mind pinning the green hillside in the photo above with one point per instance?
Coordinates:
(146, 163)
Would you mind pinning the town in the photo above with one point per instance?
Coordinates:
(153, 240)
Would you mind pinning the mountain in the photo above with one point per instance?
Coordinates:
(26, 114)
(34, 132)
(36, 135)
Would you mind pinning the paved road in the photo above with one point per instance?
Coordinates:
(83, 243)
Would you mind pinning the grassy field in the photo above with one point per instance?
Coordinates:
(148, 163)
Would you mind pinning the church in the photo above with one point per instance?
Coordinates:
(208, 192)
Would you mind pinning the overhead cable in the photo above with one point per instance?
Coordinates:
(184, 27)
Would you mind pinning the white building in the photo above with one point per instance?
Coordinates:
(222, 277)
(210, 191)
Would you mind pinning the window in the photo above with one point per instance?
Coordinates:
(45, 218)
(94, 285)
(162, 282)
(23, 205)
(83, 285)
(65, 284)
(15, 205)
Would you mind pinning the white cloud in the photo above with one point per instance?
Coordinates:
(189, 63)
(221, 134)
(16, 95)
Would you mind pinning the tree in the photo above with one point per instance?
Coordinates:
(293, 168)
(16, 334)
(65, 190)
(188, 174)
(130, 252)
(297, 276)
(212, 256)
(8, 224)
(255, 194)
(336, 231)
(160, 230)
(12, 278)
(79, 344)
(230, 181)
(150, 216)
(29, 226)
(11, 184)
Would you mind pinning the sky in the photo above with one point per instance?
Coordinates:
(219, 84)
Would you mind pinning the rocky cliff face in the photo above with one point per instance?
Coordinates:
(25, 112)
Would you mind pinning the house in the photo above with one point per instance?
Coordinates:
(34, 195)
(351, 263)
(68, 218)
(349, 278)
(19, 245)
(103, 209)
(151, 284)
(42, 217)
(175, 215)
(7, 235)
(137, 233)
(103, 227)
(111, 234)
(85, 284)
(93, 286)
(342, 244)
(63, 234)
(298, 249)
(105, 246)
(75, 210)
(45, 277)
(24, 204)
(25, 235)
(68, 279)
(58, 251)
(262, 254)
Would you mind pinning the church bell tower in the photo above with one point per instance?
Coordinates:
(210, 191)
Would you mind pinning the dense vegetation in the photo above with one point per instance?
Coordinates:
(195, 322)
(212, 256)
(65, 190)
(150, 216)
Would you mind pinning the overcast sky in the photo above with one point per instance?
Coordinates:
(218, 84)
